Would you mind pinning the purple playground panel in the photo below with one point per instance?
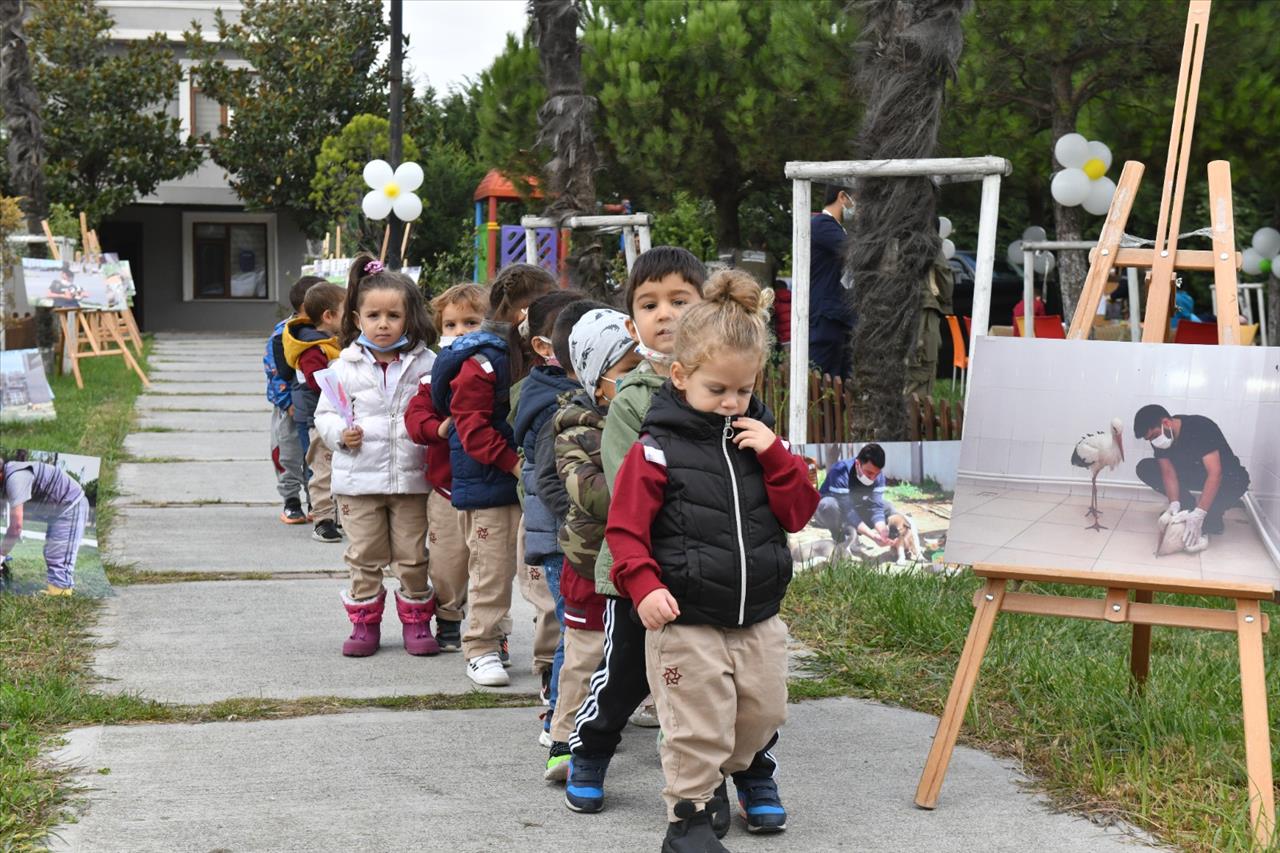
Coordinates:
(511, 247)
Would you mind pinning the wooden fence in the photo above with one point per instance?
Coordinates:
(831, 409)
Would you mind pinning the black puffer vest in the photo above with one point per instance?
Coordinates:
(722, 552)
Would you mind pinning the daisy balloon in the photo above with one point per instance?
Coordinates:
(1083, 181)
(392, 191)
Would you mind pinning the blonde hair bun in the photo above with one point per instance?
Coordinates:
(741, 288)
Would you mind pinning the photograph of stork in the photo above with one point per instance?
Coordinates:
(1155, 459)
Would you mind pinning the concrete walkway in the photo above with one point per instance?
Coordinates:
(455, 781)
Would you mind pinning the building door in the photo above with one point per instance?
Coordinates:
(125, 240)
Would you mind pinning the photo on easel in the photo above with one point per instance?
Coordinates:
(25, 394)
(77, 284)
(886, 504)
(1144, 459)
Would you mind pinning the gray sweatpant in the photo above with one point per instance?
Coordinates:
(286, 454)
(62, 540)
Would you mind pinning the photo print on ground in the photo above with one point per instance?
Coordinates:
(1047, 420)
(50, 527)
(25, 394)
(910, 493)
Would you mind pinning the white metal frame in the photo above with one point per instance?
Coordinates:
(635, 231)
(989, 170)
(1258, 289)
(1030, 247)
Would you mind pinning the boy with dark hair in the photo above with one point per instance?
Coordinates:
(286, 447)
(853, 498)
(1190, 455)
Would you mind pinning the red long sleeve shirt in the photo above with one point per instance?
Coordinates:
(312, 360)
(472, 406)
(637, 496)
(423, 425)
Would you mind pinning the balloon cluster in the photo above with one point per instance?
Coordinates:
(392, 191)
(944, 231)
(1083, 180)
(1263, 257)
(1041, 259)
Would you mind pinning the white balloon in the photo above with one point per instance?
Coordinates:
(1072, 151)
(376, 205)
(1101, 152)
(1266, 241)
(1099, 197)
(1070, 187)
(408, 177)
(1015, 254)
(1043, 262)
(1034, 234)
(948, 249)
(407, 206)
(1252, 261)
(944, 227)
(377, 173)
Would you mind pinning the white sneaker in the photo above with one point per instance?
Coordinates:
(487, 671)
(544, 739)
(646, 717)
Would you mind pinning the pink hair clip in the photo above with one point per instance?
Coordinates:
(373, 267)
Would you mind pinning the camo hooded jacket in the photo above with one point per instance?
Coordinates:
(578, 428)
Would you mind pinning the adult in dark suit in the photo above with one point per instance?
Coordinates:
(831, 318)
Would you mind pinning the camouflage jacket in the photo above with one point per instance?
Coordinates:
(578, 428)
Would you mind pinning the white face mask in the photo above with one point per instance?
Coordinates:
(1163, 441)
(652, 354)
(863, 478)
(846, 214)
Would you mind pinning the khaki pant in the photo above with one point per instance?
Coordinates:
(583, 651)
(386, 530)
(534, 589)
(491, 539)
(449, 557)
(320, 461)
(721, 695)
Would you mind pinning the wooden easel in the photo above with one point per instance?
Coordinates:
(1247, 622)
(87, 333)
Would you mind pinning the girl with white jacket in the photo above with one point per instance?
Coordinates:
(378, 480)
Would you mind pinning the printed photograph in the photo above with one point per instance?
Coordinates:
(885, 503)
(25, 394)
(1132, 458)
(71, 284)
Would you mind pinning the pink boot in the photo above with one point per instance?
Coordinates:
(366, 619)
(415, 616)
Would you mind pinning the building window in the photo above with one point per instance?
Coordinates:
(208, 117)
(229, 260)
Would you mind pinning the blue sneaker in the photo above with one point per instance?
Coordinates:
(761, 805)
(584, 790)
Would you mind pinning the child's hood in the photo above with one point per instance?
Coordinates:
(541, 390)
(580, 411)
(300, 335)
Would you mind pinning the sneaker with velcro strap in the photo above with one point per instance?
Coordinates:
(486, 670)
(761, 806)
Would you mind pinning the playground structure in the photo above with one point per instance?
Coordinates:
(634, 227)
(942, 170)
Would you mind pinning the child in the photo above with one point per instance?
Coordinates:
(377, 470)
(310, 343)
(461, 311)
(46, 494)
(471, 383)
(539, 401)
(664, 282)
(286, 448)
(697, 526)
(601, 351)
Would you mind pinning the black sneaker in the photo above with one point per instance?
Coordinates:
(504, 653)
(557, 762)
(546, 687)
(718, 810)
(761, 806)
(584, 789)
(292, 512)
(449, 635)
(691, 832)
(326, 531)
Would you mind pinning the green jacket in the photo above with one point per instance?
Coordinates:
(621, 429)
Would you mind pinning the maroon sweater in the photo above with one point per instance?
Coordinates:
(423, 425)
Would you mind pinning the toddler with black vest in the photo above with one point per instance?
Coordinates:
(471, 384)
(701, 508)
(378, 480)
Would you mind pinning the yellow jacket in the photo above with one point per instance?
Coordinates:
(300, 335)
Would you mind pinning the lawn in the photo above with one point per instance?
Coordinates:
(1054, 694)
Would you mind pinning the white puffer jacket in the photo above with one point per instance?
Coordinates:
(387, 462)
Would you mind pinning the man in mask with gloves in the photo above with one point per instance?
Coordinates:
(1190, 455)
(853, 500)
(831, 318)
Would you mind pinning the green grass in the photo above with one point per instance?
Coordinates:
(44, 649)
(1053, 693)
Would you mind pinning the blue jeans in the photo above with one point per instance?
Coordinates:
(551, 567)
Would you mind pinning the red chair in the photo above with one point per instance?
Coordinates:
(1189, 332)
(1049, 326)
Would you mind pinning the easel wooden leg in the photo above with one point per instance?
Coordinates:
(132, 323)
(944, 740)
(128, 356)
(1257, 736)
(1140, 650)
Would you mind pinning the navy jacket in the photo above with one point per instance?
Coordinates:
(828, 300)
(538, 404)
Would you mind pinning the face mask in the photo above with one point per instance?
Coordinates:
(846, 214)
(651, 354)
(368, 344)
(863, 478)
(446, 340)
(1162, 441)
(523, 328)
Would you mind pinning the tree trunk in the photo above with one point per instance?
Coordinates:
(21, 105)
(726, 198)
(913, 47)
(1073, 266)
(565, 123)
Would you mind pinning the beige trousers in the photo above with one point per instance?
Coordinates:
(320, 461)
(582, 653)
(721, 694)
(491, 539)
(449, 557)
(386, 530)
(534, 589)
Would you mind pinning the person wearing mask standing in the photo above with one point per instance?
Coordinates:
(831, 318)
